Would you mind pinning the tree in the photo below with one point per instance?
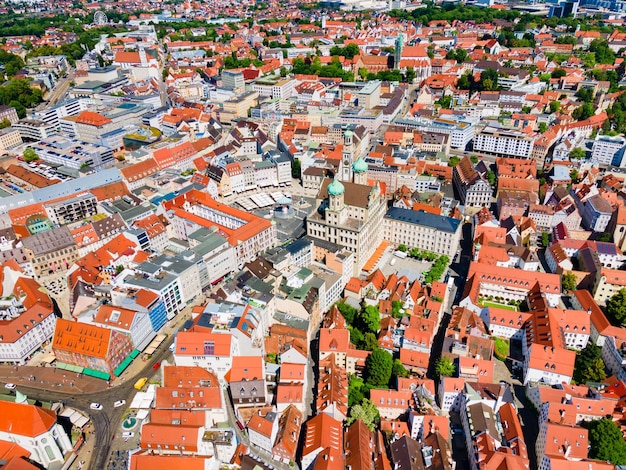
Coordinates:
(584, 112)
(366, 412)
(558, 73)
(30, 155)
(606, 441)
(356, 390)
(348, 312)
(402, 248)
(5, 123)
(543, 127)
(577, 153)
(555, 106)
(370, 319)
(454, 160)
(370, 342)
(616, 307)
(491, 177)
(378, 368)
(589, 366)
(444, 367)
(474, 159)
(569, 281)
(398, 369)
(573, 174)
(545, 239)
(296, 168)
(409, 75)
(605, 237)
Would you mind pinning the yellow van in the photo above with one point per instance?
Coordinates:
(140, 383)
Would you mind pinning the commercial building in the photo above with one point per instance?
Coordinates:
(90, 346)
(34, 129)
(606, 148)
(73, 153)
(504, 142)
(274, 87)
(73, 209)
(9, 138)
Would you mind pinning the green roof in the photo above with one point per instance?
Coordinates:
(360, 166)
(335, 188)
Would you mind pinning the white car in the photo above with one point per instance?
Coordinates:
(95, 406)
(128, 434)
(10, 386)
(119, 403)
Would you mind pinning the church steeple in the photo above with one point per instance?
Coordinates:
(347, 155)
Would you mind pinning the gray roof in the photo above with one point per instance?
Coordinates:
(49, 241)
(438, 222)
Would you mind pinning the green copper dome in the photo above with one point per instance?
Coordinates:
(348, 133)
(335, 188)
(359, 166)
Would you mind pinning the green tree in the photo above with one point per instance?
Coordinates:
(573, 174)
(398, 369)
(543, 127)
(453, 160)
(296, 168)
(356, 335)
(589, 366)
(602, 52)
(577, 153)
(584, 112)
(348, 312)
(369, 319)
(555, 106)
(370, 342)
(409, 75)
(366, 412)
(30, 155)
(569, 281)
(500, 348)
(491, 177)
(558, 73)
(545, 239)
(616, 307)
(474, 159)
(605, 237)
(356, 390)
(5, 123)
(444, 367)
(606, 441)
(378, 368)
(402, 248)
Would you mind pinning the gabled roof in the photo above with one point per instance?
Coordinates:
(25, 420)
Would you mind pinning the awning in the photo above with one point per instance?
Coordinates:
(97, 374)
(70, 367)
(122, 367)
(135, 353)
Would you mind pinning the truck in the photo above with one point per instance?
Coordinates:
(400, 254)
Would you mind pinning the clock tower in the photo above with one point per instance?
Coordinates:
(347, 156)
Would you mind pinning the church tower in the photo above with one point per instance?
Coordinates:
(347, 156)
(397, 52)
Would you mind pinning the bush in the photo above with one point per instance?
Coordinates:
(500, 348)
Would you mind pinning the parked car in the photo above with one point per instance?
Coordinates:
(156, 365)
(128, 434)
(10, 386)
(95, 406)
(119, 403)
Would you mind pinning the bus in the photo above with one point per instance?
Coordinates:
(140, 383)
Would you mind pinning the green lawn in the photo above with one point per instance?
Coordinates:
(486, 303)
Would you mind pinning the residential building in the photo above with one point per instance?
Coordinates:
(211, 351)
(51, 252)
(472, 188)
(324, 441)
(262, 431)
(608, 150)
